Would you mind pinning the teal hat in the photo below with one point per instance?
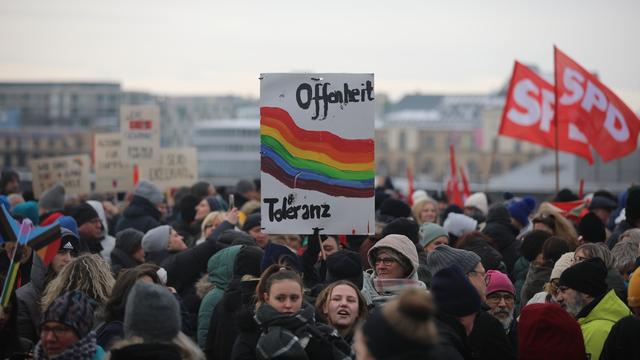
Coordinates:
(28, 209)
(430, 232)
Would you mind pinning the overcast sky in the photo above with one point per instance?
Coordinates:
(221, 47)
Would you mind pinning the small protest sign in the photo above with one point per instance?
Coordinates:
(140, 129)
(71, 171)
(176, 167)
(112, 174)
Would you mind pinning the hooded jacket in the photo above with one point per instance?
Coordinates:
(28, 296)
(220, 268)
(141, 215)
(597, 319)
(500, 229)
(108, 242)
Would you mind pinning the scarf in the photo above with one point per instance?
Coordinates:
(84, 349)
(287, 336)
(378, 291)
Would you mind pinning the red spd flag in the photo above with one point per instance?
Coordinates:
(611, 127)
(529, 115)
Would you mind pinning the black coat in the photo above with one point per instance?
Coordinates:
(147, 351)
(141, 215)
(488, 339)
(500, 229)
(453, 342)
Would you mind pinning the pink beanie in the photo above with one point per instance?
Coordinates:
(498, 281)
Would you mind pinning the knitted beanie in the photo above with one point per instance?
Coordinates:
(602, 202)
(453, 292)
(52, 199)
(445, 256)
(459, 224)
(587, 277)
(520, 210)
(73, 309)
(497, 281)
(478, 200)
(278, 254)
(69, 223)
(592, 229)
(561, 265)
(151, 313)
(156, 239)
(83, 213)
(419, 195)
(403, 226)
(345, 265)
(394, 208)
(149, 191)
(431, 231)
(252, 221)
(69, 241)
(632, 207)
(633, 291)
(129, 240)
(28, 209)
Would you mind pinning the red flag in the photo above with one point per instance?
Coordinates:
(453, 192)
(529, 113)
(465, 183)
(609, 125)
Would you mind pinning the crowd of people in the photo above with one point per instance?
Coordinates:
(187, 274)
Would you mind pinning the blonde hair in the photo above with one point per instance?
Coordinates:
(212, 217)
(416, 209)
(561, 226)
(88, 273)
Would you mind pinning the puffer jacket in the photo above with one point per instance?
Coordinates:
(28, 296)
(220, 269)
(141, 215)
(597, 319)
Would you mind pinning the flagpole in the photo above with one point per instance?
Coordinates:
(557, 122)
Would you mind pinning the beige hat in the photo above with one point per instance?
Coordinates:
(561, 265)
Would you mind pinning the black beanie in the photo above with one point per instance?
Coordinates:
(395, 208)
(453, 292)
(565, 195)
(188, 208)
(587, 277)
(251, 221)
(129, 240)
(345, 265)
(403, 226)
(247, 261)
(83, 213)
(632, 207)
(592, 229)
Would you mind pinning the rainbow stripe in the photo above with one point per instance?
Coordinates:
(315, 160)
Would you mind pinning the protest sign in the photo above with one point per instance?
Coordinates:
(140, 129)
(112, 174)
(317, 153)
(71, 171)
(176, 167)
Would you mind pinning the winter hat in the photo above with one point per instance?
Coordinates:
(478, 200)
(520, 210)
(592, 229)
(252, 221)
(73, 309)
(546, 331)
(248, 262)
(602, 202)
(429, 232)
(129, 240)
(53, 198)
(632, 207)
(69, 223)
(497, 281)
(149, 191)
(215, 204)
(151, 313)
(200, 189)
(69, 241)
(490, 258)
(28, 209)
(394, 208)
(401, 244)
(565, 195)
(156, 239)
(459, 224)
(83, 213)
(245, 186)
(345, 265)
(453, 292)
(276, 253)
(418, 196)
(403, 226)
(444, 256)
(587, 277)
(405, 325)
(561, 265)
(236, 237)
(633, 291)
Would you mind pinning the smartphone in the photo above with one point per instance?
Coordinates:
(232, 202)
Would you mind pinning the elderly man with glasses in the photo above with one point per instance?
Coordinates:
(501, 302)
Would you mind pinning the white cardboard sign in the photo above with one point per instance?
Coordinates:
(72, 171)
(140, 129)
(112, 174)
(176, 167)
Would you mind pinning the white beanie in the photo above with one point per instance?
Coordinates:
(478, 200)
(459, 224)
(419, 195)
(561, 265)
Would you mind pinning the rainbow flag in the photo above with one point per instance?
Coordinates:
(315, 160)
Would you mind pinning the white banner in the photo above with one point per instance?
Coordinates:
(317, 153)
(140, 129)
(176, 167)
(72, 171)
(112, 174)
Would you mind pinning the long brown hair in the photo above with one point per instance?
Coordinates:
(273, 273)
(325, 296)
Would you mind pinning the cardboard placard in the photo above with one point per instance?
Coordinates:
(112, 174)
(72, 171)
(176, 167)
(140, 129)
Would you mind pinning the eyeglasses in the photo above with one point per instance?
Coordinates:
(479, 273)
(385, 261)
(578, 259)
(57, 331)
(495, 298)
